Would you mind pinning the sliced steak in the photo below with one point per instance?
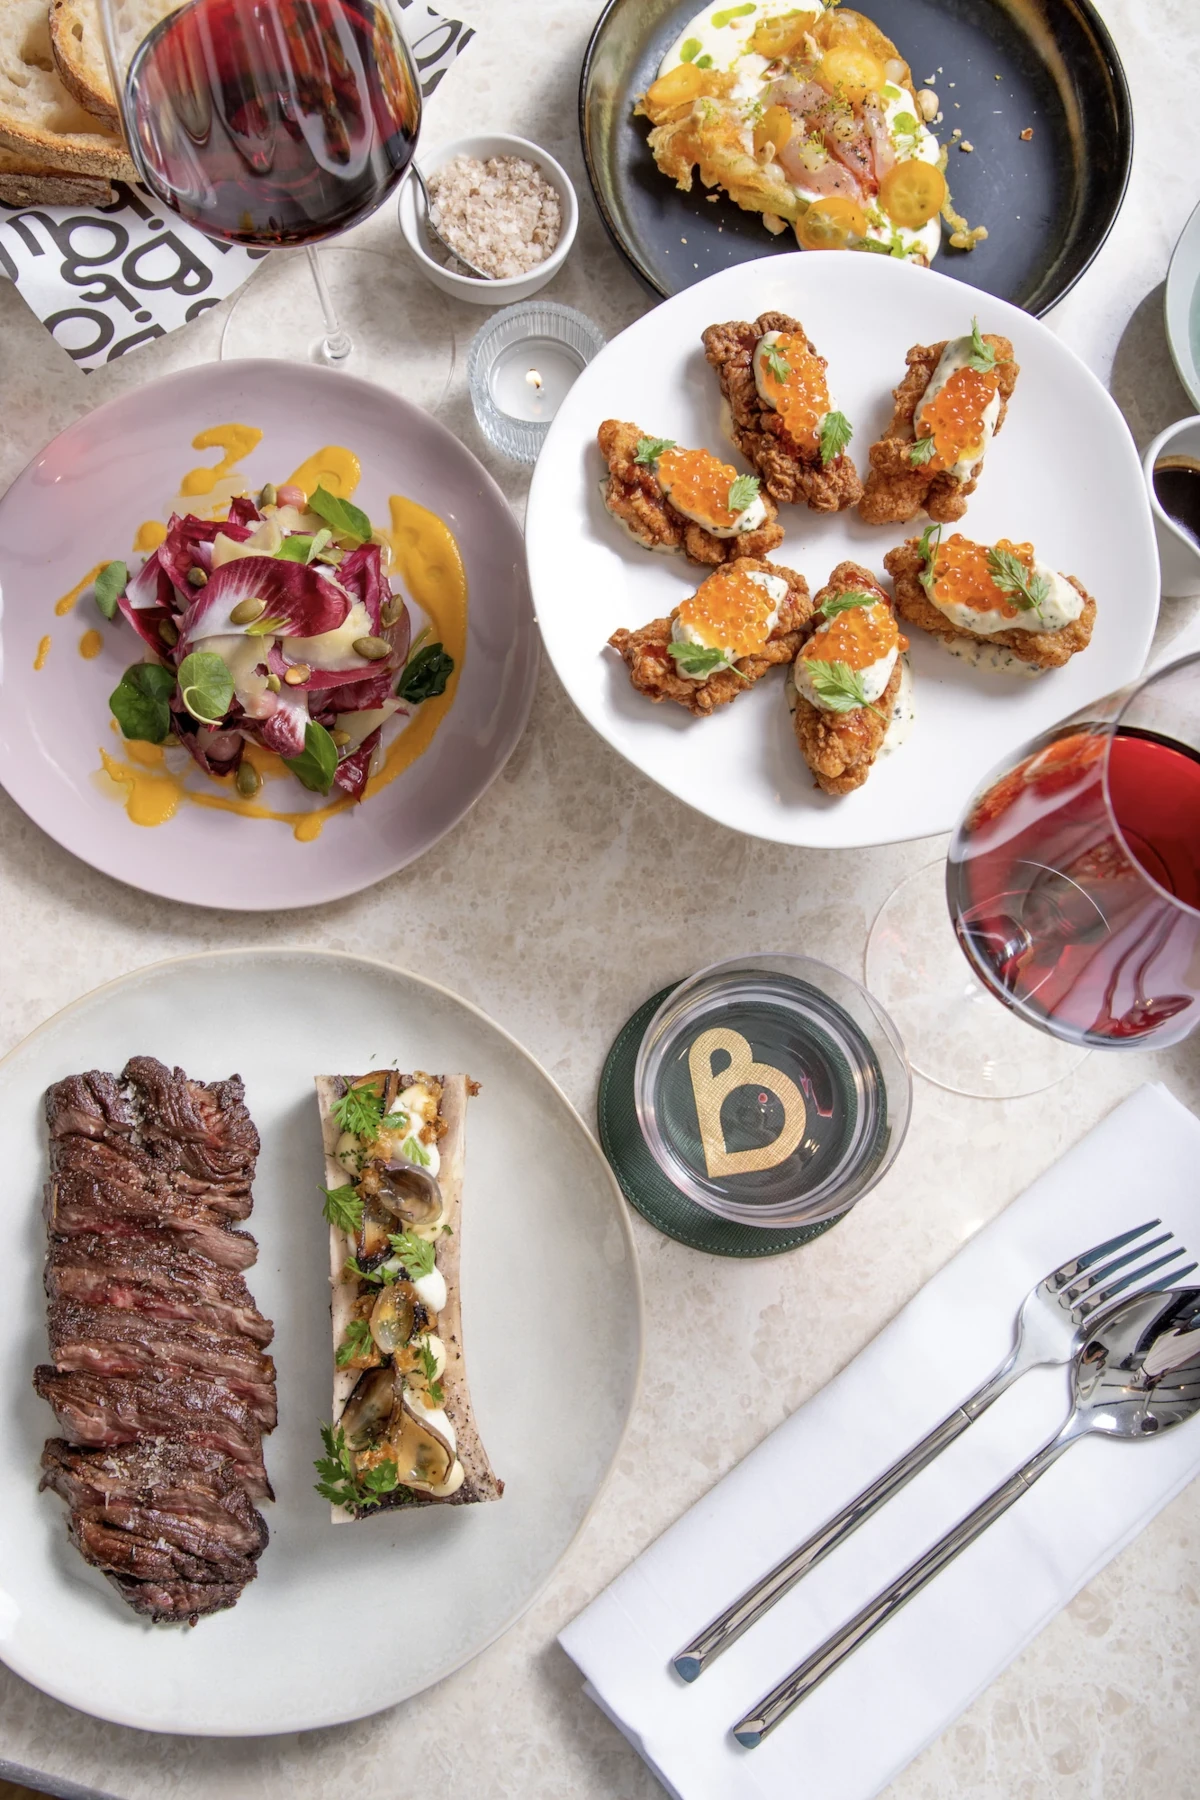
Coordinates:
(135, 1183)
(203, 1129)
(150, 1273)
(176, 1602)
(94, 1105)
(201, 1487)
(100, 1411)
(149, 1557)
(82, 1217)
(113, 1341)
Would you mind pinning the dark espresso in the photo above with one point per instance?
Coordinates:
(1177, 490)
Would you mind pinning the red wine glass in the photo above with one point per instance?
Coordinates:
(267, 122)
(1073, 883)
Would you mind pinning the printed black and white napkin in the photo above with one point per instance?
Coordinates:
(104, 280)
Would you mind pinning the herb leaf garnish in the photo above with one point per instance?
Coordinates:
(343, 1207)
(650, 449)
(348, 521)
(357, 1342)
(417, 1255)
(777, 362)
(340, 1483)
(360, 1110)
(982, 356)
(109, 586)
(205, 686)
(316, 765)
(742, 493)
(921, 451)
(1028, 591)
(698, 660)
(835, 433)
(381, 1277)
(839, 686)
(850, 597)
(139, 703)
(931, 538)
(424, 676)
(429, 1370)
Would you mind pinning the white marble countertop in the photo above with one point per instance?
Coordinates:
(611, 890)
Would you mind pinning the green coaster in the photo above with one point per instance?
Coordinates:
(643, 1182)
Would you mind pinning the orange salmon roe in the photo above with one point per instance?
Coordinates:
(858, 637)
(954, 417)
(729, 612)
(960, 574)
(802, 398)
(698, 483)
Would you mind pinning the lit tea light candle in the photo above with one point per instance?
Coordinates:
(520, 368)
(531, 378)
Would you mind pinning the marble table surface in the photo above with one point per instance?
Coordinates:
(611, 890)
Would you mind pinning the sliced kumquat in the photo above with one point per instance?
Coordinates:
(729, 611)
(851, 72)
(830, 224)
(781, 36)
(912, 193)
(954, 417)
(774, 129)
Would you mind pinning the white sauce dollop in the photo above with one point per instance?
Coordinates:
(1061, 608)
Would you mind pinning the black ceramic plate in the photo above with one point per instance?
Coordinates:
(1048, 203)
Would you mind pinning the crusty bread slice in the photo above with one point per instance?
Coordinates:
(30, 181)
(38, 117)
(77, 42)
(481, 1482)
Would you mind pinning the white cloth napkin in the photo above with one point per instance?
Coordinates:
(911, 1680)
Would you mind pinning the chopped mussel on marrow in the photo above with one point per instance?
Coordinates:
(393, 1434)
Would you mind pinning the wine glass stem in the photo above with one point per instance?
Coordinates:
(338, 344)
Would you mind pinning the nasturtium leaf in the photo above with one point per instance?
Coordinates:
(140, 702)
(109, 586)
(316, 765)
(205, 686)
(347, 520)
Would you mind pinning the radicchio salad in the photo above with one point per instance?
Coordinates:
(278, 626)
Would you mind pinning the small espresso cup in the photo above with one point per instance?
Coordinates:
(1178, 550)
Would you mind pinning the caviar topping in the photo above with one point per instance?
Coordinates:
(730, 611)
(700, 485)
(953, 420)
(961, 574)
(791, 379)
(858, 637)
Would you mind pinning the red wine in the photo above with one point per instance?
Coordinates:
(1091, 931)
(273, 121)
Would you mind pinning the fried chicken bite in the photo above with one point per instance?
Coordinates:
(780, 415)
(952, 401)
(672, 499)
(742, 620)
(966, 594)
(848, 680)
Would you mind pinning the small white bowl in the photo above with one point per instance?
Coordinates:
(476, 289)
(1178, 553)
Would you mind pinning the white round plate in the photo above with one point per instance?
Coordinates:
(1181, 306)
(1063, 473)
(552, 1330)
(81, 501)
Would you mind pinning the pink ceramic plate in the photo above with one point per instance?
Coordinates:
(81, 501)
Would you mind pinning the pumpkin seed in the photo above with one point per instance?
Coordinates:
(246, 611)
(197, 577)
(390, 612)
(248, 779)
(274, 683)
(297, 675)
(373, 648)
(268, 496)
(168, 633)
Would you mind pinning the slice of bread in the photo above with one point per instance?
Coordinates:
(77, 41)
(28, 181)
(38, 117)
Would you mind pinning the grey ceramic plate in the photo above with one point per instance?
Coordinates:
(1048, 203)
(81, 501)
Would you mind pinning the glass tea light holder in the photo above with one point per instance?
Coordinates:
(520, 368)
(772, 1091)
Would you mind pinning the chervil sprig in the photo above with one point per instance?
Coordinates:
(1026, 589)
(921, 451)
(650, 449)
(982, 356)
(835, 433)
(777, 362)
(840, 603)
(742, 493)
(416, 1253)
(359, 1111)
(340, 1481)
(357, 1342)
(839, 687)
(343, 1208)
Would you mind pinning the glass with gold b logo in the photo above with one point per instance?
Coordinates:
(772, 1090)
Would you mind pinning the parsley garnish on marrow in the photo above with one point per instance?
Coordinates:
(342, 1484)
(360, 1111)
(343, 1208)
(357, 1342)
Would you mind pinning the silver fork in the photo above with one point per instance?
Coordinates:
(1053, 1322)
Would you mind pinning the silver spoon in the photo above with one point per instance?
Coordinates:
(1138, 1375)
(436, 235)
